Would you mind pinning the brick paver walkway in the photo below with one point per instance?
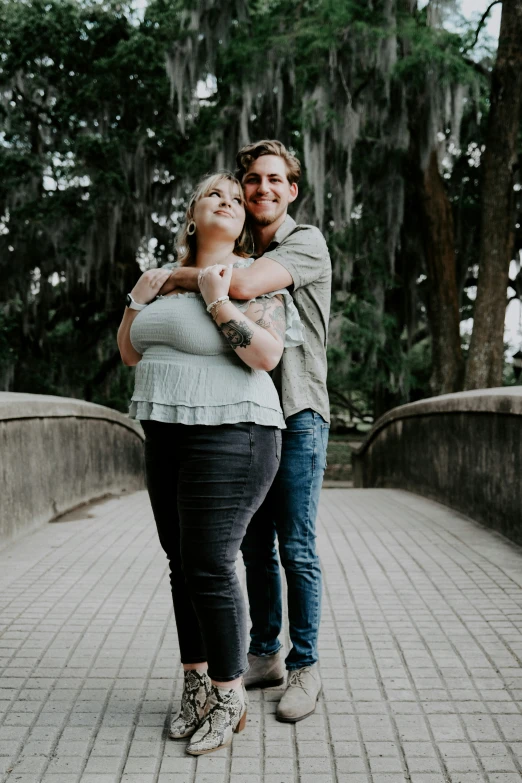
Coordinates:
(421, 646)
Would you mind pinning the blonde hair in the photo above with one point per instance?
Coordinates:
(251, 152)
(186, 244)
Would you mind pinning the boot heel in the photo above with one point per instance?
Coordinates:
(242, 723)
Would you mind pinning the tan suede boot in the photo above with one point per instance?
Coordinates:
(299, 699)
(266, 671)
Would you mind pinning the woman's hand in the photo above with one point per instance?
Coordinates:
(214, 281)
(149, 285)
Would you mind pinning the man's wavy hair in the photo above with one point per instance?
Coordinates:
(186, 244)
(251, 152)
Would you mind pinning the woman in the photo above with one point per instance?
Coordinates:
(212, 422)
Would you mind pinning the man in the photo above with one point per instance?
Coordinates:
(294, 257)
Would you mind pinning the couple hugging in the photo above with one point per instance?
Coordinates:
(234, 455)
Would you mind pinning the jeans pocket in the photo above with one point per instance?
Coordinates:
(301, 423)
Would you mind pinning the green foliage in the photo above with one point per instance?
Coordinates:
(430, 51)
(85, 86)
(89, 108)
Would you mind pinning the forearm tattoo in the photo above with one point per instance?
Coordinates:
(238, 334)
(279, 320)
(262, 311)
(271, 315)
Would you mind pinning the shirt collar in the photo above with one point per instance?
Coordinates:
(282, 232)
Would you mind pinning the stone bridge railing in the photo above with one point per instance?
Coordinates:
(464, 450)
(57, 453)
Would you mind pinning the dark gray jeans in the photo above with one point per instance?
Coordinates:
(205, 484)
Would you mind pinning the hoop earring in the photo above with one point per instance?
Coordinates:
(191, 228)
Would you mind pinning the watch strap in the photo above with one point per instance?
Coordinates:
(133, 305)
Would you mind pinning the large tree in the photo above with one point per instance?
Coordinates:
(499, 162)
(428, 217)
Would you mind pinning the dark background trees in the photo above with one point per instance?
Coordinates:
(108, 119)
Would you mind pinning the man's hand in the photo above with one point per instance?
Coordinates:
(169, 284)
(149, 285)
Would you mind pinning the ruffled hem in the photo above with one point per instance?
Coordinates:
(209, 416)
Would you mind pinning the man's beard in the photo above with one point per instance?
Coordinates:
(266, 220)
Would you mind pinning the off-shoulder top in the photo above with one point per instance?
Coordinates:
(189, 374)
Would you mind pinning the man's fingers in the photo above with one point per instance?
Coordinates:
(161, 276)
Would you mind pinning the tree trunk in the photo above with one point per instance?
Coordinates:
(486, 354)
(429, 226)
(443, 300)
(429, 223)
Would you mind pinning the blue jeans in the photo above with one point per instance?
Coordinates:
(288, 512)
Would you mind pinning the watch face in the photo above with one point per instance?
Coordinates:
(128, 300)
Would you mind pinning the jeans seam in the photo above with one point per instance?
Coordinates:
(317, 434)
(238, 648)
(269, 598)
(267, 628)
(314, 461)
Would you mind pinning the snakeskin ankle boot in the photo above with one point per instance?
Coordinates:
(226, 715)
(196, 690)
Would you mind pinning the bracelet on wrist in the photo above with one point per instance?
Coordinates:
(216, 301)
(216, 307)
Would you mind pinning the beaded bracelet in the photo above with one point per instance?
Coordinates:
(221, 299)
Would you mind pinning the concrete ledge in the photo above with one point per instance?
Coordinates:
(56, 453)
(464, 450)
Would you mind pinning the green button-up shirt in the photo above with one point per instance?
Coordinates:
(301, 374)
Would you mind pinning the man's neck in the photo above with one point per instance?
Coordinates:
(263, 235)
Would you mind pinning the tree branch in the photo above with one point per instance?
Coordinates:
(478, 67)
(480, 26)
(342, 399)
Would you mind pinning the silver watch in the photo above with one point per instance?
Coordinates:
(133, 305)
